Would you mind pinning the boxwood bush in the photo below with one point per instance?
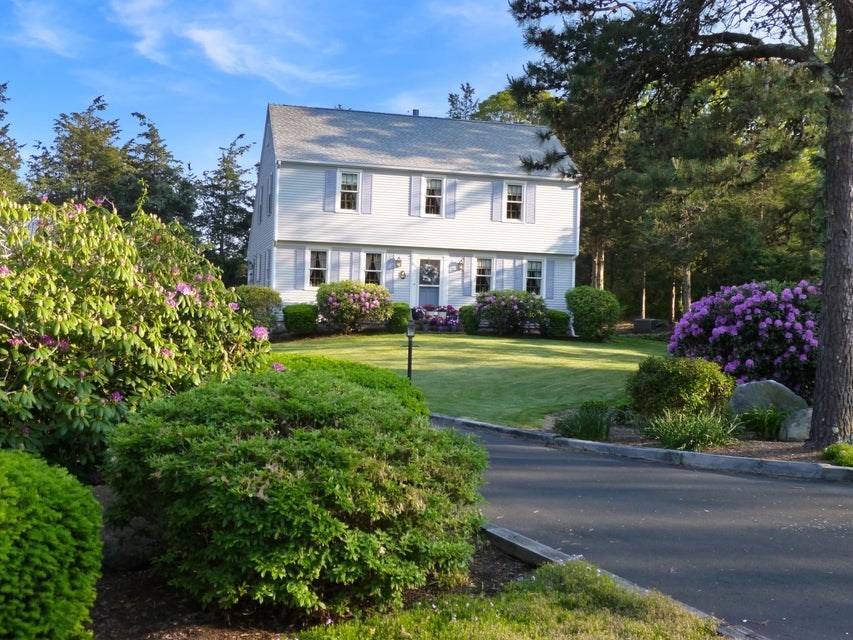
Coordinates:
(301, 319)
(302, 488)
(400, 315)
(468, 318)
(262, 303)
(595, 312)
(678, 385)
(50, 549)
(556, 323)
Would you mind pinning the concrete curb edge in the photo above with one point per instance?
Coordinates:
(690, 459)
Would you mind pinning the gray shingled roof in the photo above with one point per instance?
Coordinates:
(367, 139)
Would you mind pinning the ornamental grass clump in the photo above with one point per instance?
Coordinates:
(99, 315)
(509, 312)
(755, 331)
(346, 306)
(305, 488)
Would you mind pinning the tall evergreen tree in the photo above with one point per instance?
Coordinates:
(226, 212)
(10, 155)
(462, 106)
(607, 57)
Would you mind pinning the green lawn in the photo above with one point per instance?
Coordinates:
(508, 381)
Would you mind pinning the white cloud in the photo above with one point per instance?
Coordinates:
(149, 21)
(40, 27)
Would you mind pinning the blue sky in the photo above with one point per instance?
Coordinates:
(203, 72)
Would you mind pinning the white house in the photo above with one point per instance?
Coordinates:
(436, 210)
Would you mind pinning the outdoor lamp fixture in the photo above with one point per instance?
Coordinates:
(461, 264)
(410, 334)
(398, 262)
(402, 275)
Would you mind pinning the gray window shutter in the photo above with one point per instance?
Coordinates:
(366, 192)
(468, 278)
(549, 279)
(331, 190)
(497, 201)
(519, 275)
(530, 204)
(415, 196)
(299, 268)
(499, 273)
(450, 199)
(355, 266)
(389, 274)
(335, 266)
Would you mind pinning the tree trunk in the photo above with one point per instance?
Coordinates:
(598, 255)
(832, 419)
(686, 289)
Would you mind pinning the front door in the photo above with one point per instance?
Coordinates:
(429, 281)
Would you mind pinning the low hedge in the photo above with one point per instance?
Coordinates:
(401, 314)
(468, 318)
(50, 549)
(556, 323)
(304, 488)
(301, 319)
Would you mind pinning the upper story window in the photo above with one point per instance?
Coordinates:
(434, 196)
(483, 282)
(514, 201)
(348, 191)
(318, 269)
(534, 277)
(373, 268)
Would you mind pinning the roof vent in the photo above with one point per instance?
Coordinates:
(416, 112)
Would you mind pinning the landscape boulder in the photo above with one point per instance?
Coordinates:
(795, 427)
(765, 394)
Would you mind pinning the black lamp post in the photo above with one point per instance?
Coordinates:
(410, 333)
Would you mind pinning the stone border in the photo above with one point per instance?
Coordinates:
(691, 459)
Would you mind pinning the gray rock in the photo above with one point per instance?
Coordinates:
(765, 394)
(796, 426)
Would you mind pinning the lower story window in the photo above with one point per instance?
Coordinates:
(484, 275)
(373, 268)
(317, 269)
(534, 277)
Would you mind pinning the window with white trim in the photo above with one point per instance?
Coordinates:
(318, 268)
(434, 197)
(373, 268)
(533, 282)
(514, 201)
(348, 191)
(483, 280)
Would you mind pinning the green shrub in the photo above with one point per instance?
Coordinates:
(468, 318)
(765, 423)
(400, 316)
(595, 312)
(262, 303)
(50, 549)
(692, 431)
(300, 488)
(556, 323)
(348, 305)
(509, 312)
(99, 315)
(678, 384)
(363, 374)
(590, 421)
(301, 319)
(840, 454)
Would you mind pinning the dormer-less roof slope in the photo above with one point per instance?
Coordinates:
(367, 139)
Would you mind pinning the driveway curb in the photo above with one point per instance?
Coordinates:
(690, 459)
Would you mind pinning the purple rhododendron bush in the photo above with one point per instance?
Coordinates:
(97, 315)
(755, 331)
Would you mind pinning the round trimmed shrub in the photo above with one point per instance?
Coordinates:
(400, 315)
(468, 318)
(302, 488)
(262, 303)
(557, 323)
(509, 312)
(348, 305)
(301, 319)
(50, 549)
(595, 312)
(678, 385)
(755, 331)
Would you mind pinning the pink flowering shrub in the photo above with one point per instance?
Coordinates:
(346, 306)
(96, 316)
(509, 312)
(755, 331)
